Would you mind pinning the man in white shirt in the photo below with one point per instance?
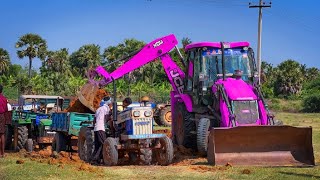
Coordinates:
(99, 128)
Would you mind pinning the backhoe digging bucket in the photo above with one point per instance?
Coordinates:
(87, 94)
(261, 146)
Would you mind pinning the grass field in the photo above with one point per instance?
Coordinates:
(197, 170)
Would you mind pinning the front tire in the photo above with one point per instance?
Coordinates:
(202, 135)
(164, 155)
(110, 152)
(29, 145)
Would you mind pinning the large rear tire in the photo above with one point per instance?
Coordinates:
(202, 136)
(86, 143)
(184, 127)
(166, 116)
(110, 152)
(8, 136)
(164, 155)
(22, 137)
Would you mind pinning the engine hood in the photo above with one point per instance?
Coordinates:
(237, 89)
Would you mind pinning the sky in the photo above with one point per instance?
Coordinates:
(290, 28)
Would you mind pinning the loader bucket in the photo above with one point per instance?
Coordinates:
(261, 146)
(87, 94)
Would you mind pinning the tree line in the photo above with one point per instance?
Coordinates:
(63, 73)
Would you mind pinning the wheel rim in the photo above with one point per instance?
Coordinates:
(179, 129)
(168, 117)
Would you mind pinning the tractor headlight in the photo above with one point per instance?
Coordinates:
(147, 113)
(136, 113)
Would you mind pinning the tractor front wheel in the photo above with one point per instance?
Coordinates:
(164, 155)
(110, 152)
(202, 135)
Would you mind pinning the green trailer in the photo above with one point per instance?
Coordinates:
(66, 126)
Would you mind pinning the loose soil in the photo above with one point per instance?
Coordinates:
(76, 106)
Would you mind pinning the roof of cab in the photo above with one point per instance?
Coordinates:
(216, 45)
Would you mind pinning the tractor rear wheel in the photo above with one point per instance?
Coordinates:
(8, 136)
(110, 152)
(164, 155)
(184, 127)
(202, 135)
(22, 137)
(165, 116)
(86, 143)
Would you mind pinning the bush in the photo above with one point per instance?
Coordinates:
(311, 103)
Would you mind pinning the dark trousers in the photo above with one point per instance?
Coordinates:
(99, 138)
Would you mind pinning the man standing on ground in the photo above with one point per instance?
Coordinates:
(3, 110)
(99, 128)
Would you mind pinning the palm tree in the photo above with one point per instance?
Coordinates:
(185, 41)
(31, 46)
(4, 60)
(88, 56)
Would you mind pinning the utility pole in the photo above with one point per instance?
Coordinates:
(260, 6)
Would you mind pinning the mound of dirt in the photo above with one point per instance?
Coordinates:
(77, 106)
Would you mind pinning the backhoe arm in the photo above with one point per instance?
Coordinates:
(148, 53)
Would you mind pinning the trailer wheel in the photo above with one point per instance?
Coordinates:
(22, 137)
(184, 127)
(202, 135)
(110, 152)
(89, 143)
(164, 155)
(60, 142)
(82, 149)
(29, 145)
(8, 136)
(165, 116)
(146, 156)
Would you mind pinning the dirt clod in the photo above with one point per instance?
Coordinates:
(228, 165)
(246, 171)
(19, 161)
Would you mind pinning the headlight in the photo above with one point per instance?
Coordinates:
(147, 113)
(136, 113)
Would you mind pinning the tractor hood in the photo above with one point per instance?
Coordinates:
(237, 89)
